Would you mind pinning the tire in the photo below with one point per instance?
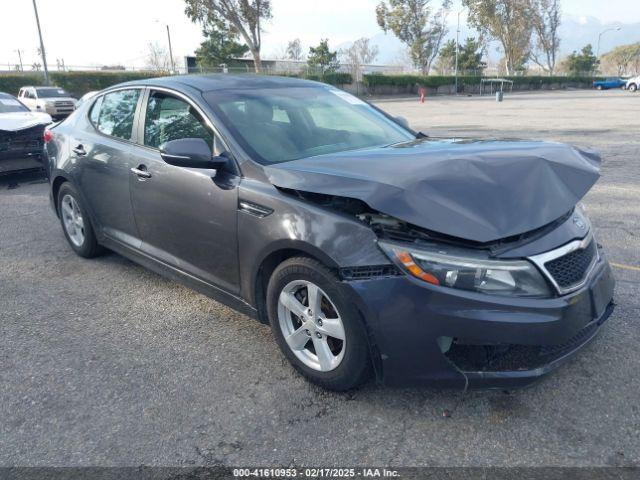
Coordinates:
(76, 224)
(599, 87)
(633, 87)
(347, 363)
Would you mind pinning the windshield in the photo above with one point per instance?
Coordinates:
(8, 104)
(281, 124)
(51, 92)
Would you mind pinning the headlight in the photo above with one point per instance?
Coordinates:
(468, 270)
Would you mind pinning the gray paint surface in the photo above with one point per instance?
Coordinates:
(475, 190)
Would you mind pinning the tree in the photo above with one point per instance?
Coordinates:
(359, 54)
(469, 57)
(220, 46)
(244, 16)
(294, 50)
(158, 59)
(417, 26)
(622, 60)
(583, 63)
(322, 59)
(508, 22)
(446, 62)
(545, 19)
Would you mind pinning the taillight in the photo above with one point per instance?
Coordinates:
(47, 136)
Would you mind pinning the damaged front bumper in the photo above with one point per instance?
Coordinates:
(428, 335)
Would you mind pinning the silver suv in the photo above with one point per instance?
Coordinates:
(53, 100)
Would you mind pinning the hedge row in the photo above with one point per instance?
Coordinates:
(434, 81)
(79, 83)
(335, 78)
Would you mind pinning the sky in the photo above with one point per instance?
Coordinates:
(95, 32)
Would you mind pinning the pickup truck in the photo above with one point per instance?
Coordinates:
(607, 83)
(52, 100)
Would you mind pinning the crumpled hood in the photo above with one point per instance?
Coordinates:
(14, 121)
(475, 190)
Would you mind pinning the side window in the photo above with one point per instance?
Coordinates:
(116, 114)
(171, 118)
(94, 115)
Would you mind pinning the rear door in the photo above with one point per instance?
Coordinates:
(186, 217)
(103, 149)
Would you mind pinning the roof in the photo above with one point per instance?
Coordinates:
(223, 81)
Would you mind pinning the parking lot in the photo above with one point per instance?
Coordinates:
(105, 363)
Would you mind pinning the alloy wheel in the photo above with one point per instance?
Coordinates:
(72, 220)
(311, 325)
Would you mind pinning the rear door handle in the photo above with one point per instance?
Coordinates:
(141, 172)
(80, 151)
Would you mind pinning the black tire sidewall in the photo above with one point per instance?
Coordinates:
(89, 247)
(355, 366)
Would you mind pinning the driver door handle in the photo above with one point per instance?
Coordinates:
(141, 172)
(80, 151)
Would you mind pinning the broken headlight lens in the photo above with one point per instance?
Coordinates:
(463, 270)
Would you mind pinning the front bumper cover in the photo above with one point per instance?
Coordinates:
(406, 317)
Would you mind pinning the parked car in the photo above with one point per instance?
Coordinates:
(52, 100)
(21, 132)
(368, 247)
(633, 83)
(608, 83)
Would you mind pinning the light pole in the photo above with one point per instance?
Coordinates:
(20, 58)
(44, 56)
(617, 29)
(173, 66)
(457, 48)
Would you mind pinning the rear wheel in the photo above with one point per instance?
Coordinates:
(317, 329)
(76, 224)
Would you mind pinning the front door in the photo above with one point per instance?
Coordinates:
(186, 217)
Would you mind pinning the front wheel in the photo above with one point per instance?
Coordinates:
(317, 329)
(76, 224)
(633, 87)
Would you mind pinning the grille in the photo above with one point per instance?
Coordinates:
(570, 269)
(374, 271)
(64, 104)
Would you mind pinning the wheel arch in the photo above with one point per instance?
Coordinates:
(270, 260)
(57, 182)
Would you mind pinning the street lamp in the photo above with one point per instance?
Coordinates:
(617, 29)
(44, 56)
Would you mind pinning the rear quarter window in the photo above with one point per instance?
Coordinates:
(116, 113)
(94, 113)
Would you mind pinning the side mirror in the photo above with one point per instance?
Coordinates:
(402, 121)
(191, 153)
